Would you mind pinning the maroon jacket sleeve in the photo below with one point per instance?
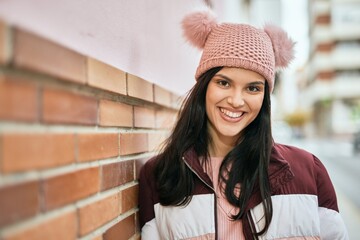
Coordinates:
(146, 193)
(326, 192)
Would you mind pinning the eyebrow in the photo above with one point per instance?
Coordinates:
(229, 79)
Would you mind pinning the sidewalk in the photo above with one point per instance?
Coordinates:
(351, 215)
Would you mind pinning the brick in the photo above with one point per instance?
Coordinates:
(162, 96)
(21, 152)
(115, 114)
(156, 140)
(165, 119)
(97, 146)
(18, 201)
(57, 228)
(116, 174)
(131, 143)
(70, 187)
(106, 77)
(65, 107)
(18, 100)
(144, 117)
(123, 230)
(4, 43)
(98, 213)
(139, 88)
(129, 198)
(39, 54)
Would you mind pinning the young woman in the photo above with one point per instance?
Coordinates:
(220, 174)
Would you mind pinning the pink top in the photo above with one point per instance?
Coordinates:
(226, 228)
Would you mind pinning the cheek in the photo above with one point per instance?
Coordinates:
(210, 99)
(214, 94)
(209, 105)
(257, 104)
(213, 97)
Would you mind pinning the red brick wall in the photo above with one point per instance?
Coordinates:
(73, 134)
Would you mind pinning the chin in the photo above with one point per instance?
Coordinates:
(229, 134)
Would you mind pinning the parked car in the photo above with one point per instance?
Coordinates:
(356, 142)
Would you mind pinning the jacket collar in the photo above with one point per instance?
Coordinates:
(192, 161)
(279, 171)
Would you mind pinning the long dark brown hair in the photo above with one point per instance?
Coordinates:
(245, 165)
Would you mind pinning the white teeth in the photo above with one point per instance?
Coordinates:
(231, 114)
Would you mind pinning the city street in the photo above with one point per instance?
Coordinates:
(344, 169)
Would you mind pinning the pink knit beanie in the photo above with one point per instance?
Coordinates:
(238, 45)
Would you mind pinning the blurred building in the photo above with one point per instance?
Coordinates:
(331, 86)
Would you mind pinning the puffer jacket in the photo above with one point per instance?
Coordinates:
(303, 198)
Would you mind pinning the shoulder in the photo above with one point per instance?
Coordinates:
(298, 158)
(147, 169)
(292, 153)
(308, 171)
(147, 180)
(289, 149)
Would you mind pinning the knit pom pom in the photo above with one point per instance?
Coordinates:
(282, 44)
(197, 27)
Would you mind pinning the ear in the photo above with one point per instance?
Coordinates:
(283, 46)
(197, 27)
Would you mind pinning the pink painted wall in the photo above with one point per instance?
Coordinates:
(141, 37)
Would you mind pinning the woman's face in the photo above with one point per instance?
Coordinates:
(233, 100)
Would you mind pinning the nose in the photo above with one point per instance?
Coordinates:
(236, 99)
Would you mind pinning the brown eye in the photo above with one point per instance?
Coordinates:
(254, 88)
(223, 83)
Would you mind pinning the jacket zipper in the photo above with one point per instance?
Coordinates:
(215, 196)
(197, 174)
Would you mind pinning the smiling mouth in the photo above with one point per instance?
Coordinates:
(231, 114)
